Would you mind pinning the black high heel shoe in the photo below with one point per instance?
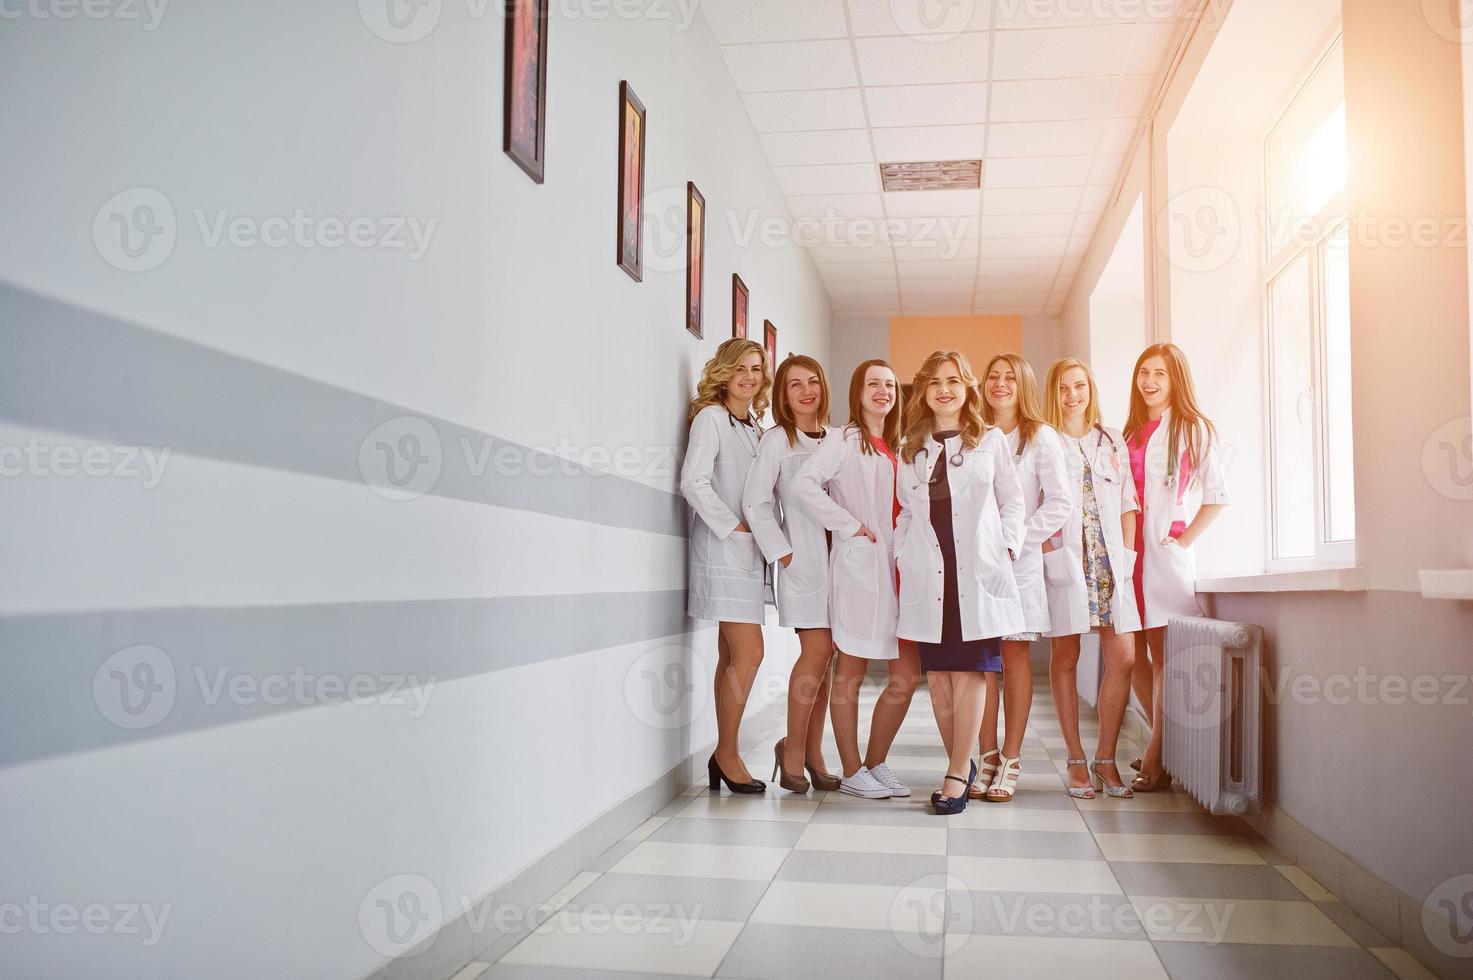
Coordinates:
(717, 777)
(947, 805)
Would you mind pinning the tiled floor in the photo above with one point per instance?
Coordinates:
(783, 886)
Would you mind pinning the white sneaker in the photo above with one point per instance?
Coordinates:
(887, 779)
(864, 784)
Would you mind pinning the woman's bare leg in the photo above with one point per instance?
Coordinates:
(967, 687)
(844, 709)
(893, 703)
(1118, 652)
(807, 695)
(813, 752)
(733, 686)
(991, 696)
(1152, 762)
(1017, 684)
(1141, 680)
(1063, 670)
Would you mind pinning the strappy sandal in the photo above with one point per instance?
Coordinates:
(1121, 792)
(1006, 785)
(947, 805)
(1081, 792)
(985, 775)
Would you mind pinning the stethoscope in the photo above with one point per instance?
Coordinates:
(923, 471)
(1094, 457)
(749, 438)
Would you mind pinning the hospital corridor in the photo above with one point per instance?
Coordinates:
(1002, 507)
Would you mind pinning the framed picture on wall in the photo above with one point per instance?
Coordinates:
(769, 337)
(631, 183)
(524, 102)
(738, 307)
(695, 258)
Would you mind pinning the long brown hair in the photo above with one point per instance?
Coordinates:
(891, 435)
(782, 412)
(719, 370)
(1030, 415)
(1053, 406)
(918, 429)
(1190, 429)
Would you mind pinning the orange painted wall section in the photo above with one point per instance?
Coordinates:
(979, 338)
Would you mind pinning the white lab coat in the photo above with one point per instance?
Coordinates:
(842, 488)
(1063, 568)
(1046, 505)
(986, 524)
(782, 528)
(727, 580)
(1169, 577)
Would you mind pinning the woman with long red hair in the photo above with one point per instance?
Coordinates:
(1179, 481)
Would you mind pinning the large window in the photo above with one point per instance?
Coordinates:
(1307, 314)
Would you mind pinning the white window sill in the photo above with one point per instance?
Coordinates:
(1349, 579)
(1454, 583)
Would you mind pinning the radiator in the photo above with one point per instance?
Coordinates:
(1213, 712)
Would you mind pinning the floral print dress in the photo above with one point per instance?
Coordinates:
(1098, 581)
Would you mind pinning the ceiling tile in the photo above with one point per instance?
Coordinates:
(845, 271)
(1115, 135)
(737, 21)
(1132, 95)
(774, 112)
(1027, 225)
(1020, 248)
(943, 251)
(1070, 266)
(1078, 245)
(839, 146)
(1030, 200)
(1085, 223)
(907, 61)
(1035, 171)
(790, 65)
(1052, 98)
(908, 144)
(1095, 198)
(918, 18)
(926, 204)
(863, 288)
(927, 105)
(836, 206)
(1149, 47)
(1013, 284)
(937, 287)
(1105, 168)
(1020, 303)
(840, 178)
(945, 229)
(962, 306)
(1042, 139)
(1018, 16)
(833, 253)
(1070, 52)
(936, 268)
(1042, 266)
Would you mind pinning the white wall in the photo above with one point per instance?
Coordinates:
(264, 835)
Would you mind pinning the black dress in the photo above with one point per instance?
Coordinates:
(952, 653)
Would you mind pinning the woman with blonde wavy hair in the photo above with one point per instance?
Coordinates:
(1086, 569)
(727, 578)
(1011, 403)
(960, 530)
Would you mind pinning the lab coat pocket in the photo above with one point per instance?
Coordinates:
(740, 549)
(854, 565)
(1061, 567)
(1131, 557)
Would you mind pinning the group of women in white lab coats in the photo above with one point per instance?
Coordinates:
(992, 522)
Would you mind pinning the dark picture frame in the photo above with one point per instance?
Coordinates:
(695, 259)
(739, 306)
(629, 243)
(769, 340)
(524, 97)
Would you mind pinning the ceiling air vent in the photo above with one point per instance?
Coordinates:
(939, 175)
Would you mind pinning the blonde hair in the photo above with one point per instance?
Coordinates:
(782, 412)
(1053, 406)
(920, 415)
(1186, 417)
(1030, 415)
(719, 370)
